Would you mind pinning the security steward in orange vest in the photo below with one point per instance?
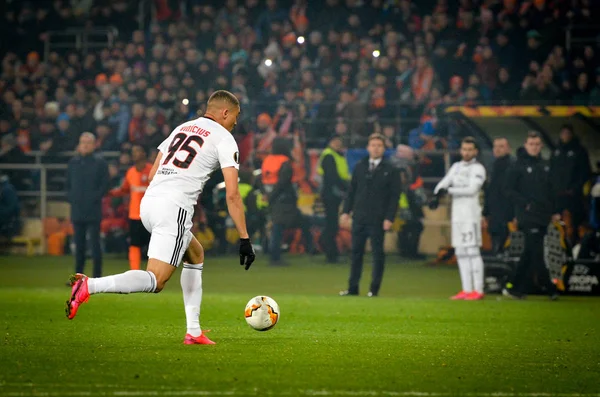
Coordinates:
(277, 175)
(135, 184)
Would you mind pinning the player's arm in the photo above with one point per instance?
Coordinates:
(235, 206)
(155, 166)
(476, 181)
(228, 155)
(445, 183)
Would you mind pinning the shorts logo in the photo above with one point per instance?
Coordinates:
(236, 157)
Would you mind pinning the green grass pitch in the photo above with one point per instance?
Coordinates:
(410, 341)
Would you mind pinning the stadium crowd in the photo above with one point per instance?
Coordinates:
(337, 67)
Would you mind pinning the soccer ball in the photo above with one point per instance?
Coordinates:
(262, 313)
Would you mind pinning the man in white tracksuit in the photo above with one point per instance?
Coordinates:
(464, 182)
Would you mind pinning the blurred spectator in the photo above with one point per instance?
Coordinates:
(571, 170)
(10, 219)
(277, 180)
(487, 67)
(412, 199)
(422, 79)
(105, 137)
(506, 52)
(335, 176)
(67, 135)
(87, 183)
(455, 93)
(497, 209)
(10, 151)
(506, 89)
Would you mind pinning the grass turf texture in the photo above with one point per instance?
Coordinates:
(410, 341)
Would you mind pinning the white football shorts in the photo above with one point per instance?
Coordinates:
(170, 229)
(466, 234)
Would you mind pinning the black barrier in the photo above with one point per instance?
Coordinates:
(582, 277)
(571, 276)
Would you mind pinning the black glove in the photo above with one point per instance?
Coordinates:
(247, 255)
(434, 203)
(441, 193)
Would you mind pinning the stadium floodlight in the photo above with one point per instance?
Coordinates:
(268, 62)
(300, 39)
(376, 53)
(185, 101)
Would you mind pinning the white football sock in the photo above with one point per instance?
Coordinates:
(124, 283)
(464, 267)
(191, 285)
(477, 272)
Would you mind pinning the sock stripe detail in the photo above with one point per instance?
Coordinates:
(193, 267)
(152, 280)
(179, 238)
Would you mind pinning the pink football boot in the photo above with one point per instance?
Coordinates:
(79, 294)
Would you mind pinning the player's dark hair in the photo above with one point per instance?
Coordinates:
(379, 136)
(224, 96)
(470, 140)
(533, 135)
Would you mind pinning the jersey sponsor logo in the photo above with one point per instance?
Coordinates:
(166, 171)
(236, 157)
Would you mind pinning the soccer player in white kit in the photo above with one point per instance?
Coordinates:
(464, 182)
(184, 163)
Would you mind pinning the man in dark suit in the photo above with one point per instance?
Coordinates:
(87, 183)
(498, 210)
(373, 200)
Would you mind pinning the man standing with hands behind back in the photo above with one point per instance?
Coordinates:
(373, 200)
(498, 210)
(529, 187)
(87, 183)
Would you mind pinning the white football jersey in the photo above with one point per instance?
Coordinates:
(463, 182)
(192, 152)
